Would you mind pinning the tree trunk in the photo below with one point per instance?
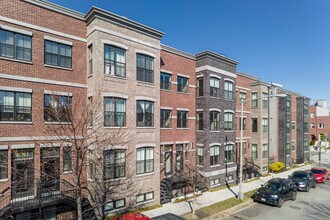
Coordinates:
(79, 211)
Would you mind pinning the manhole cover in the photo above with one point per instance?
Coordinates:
(303, 202)
(295, 207)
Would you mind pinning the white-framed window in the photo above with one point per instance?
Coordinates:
(114, 164)
(165, 118)
(145, 68)
(144, 113)
(200, 155)
(57, 54)
(144, 197)
(182, 119)
(214, 121)
(229, 123)
(229, 88)
(200, 87)
(264, 100)
(264, 125)
(229, 148)
(254, 102)
(114, 112)
(321, 125)
(114, 61)
(144, 160)
(312, 125)
(214, 182)
(183, 83)
(229, 177)
(254, 148)
(199, 121)
(214, 87)
(214, 155)
(312, 114)
(264, 150)
(113, 205)
(165, 81)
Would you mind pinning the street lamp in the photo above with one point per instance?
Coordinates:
(240, 187)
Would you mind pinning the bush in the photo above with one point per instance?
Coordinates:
(276, 167)
(312, 143)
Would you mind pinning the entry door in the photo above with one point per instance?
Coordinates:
(168, 163)
(50, 170)
(23, 179)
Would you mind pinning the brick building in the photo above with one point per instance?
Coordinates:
(319, 120)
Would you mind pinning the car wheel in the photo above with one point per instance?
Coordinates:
(307, 188)
(314, 185)
(294, 196)
(280, 202)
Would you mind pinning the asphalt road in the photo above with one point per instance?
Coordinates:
(314, 205)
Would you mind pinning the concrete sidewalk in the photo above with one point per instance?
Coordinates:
(209, 198)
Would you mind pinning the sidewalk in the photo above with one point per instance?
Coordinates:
(209, 198)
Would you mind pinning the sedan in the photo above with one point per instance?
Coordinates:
(276, 191)
(320, 174)
(304, 180)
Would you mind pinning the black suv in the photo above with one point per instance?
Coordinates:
(304, 180)
(276, 191)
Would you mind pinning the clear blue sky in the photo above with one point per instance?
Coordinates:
(282, 41)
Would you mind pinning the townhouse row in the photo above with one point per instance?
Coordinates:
(95, 101)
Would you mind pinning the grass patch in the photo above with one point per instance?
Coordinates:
(219, 207)
(214, 189)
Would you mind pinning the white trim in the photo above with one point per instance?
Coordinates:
(145, 52)
(166, 71)
(117, 34)
(15, 89)
(174, 117)
(49, 92)
(39, 28)
(116, 147)
(199, 76)
(58, 40)
(3, 147)
(231, 111)
(166, 108)
(199, 110)
(182, 109)
(242, 91)
(33, 138)
(112, 94)
(214, 109)
(183, 75)
(192, 86)
(231, 143)
(215, 76)
(145, 98)
(217, 70)
(182, 142)
(214, 144)
(247, 112)
(109, 42)
(200, 145)
(39, 80)
(22, 146)
(16, 30)
(192, 118)
(50, 145)
(166, 143)
(230, 80)
(241, 87)
(145, 145)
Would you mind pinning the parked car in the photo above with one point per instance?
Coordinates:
(320, 174)
(276, 191)
(132, 216)
(304, 180)
(168, 216)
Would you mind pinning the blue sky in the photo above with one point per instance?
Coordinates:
(282, 41)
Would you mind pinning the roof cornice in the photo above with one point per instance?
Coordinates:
(57, 8)
(177, 52)
(95, 12)
(248, 76)
(210, 54)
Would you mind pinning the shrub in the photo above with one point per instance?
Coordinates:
(276, 167)
(312, 143)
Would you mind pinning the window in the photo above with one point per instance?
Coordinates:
(229, 90)
(200, 156)
(114, 61)
(264, 100)
(214, 155)
(165, 118)
(116, 204)
(321, 125)
(67, 159)
(288, 106)
(215, 121)
(229, 177)
(200, 121)
(214, 87)
(145, 68)
(229, 125)
(288, 148)
(3, 164)
(293, 146)
(254, 101)
(288, 127)
(306, 129)
(264, 150)
(57, 108)
(244, 123)
(312, 115)
(305, 109)
(144, 197)
(254, 124)
(200, 87)
(57, 54)
(182, 119)
(145, 113)
(312, 125)
(114, 164)
(90, 59)
(179, 157)
(306, 146)
(254, 151)
(186, 151)
(16, 46)
(264, 125)
(214, 182)
(242, 96)
(145, 160)
(229, 153)
(293, 125)
(165, 81)
(15, 106)
(182, 84)
(114, 112)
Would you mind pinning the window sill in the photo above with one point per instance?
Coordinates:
(166, 90)
(218, 165)
(200, 165)
(16, 60)
(213, 97)
(114, 127)
(182, 128)
(231, 100)
(200, 131)
(229, 163)
(215, 131)
(142, 83)
(3, 180)
(115, 77)
(145, 202)
(57, 123)
(199, 97)
(183, 93)
(16, 122)
(145, 127)
(58, 67)
(230, 181)
(145, 174)
(67, 172)
(213, 186)
(115, 179)
(166, 128)
(230, 131)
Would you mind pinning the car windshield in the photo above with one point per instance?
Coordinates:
(273, 186)
(299, 175)
(317, 171)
